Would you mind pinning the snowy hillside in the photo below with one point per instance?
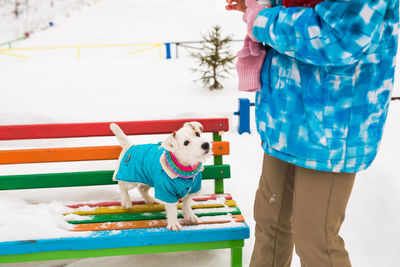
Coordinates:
(107, 84)
(18, 17)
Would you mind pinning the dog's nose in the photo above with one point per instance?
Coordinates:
(205, 146)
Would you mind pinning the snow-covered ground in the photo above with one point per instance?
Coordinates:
(109, 85)
(18, 17)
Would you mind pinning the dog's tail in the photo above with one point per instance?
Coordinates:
(121, 136)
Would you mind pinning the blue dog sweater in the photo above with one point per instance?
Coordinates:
(141, 164)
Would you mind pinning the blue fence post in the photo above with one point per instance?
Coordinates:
(168, 50)
(244, 115)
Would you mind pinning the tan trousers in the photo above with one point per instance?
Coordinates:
(301, 207)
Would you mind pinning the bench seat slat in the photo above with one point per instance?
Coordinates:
(202, 197)
(67, 130)
(148, 208)
(143, 224)
(78, 154)
(150, 216)
(48, 180)
(132, 239)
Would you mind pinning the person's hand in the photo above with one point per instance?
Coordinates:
(253, 8)
(238, 5)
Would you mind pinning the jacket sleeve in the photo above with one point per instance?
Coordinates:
(335, 33)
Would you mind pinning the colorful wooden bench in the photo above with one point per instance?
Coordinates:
(140, 230)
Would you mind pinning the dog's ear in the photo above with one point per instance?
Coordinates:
(196, 126)
(170, 143)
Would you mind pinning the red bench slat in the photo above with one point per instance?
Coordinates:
(67, 130)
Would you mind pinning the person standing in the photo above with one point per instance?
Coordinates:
(323, 73)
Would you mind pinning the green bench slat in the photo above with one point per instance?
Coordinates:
(144, 216)
(128, 250)
(48, 180)
(27, 181)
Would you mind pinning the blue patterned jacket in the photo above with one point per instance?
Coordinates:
(326, 81)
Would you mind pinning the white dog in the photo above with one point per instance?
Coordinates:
(172, 167)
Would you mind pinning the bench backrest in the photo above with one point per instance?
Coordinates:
(218, 171)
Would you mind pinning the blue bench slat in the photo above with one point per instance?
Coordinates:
(126, 238)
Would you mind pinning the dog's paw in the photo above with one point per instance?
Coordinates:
(150, 200)
(190, 217)
(174, 226)
(126, 203)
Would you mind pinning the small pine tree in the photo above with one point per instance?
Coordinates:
(16, 10)
(215, 59)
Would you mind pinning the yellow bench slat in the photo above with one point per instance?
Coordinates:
(146, 208)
